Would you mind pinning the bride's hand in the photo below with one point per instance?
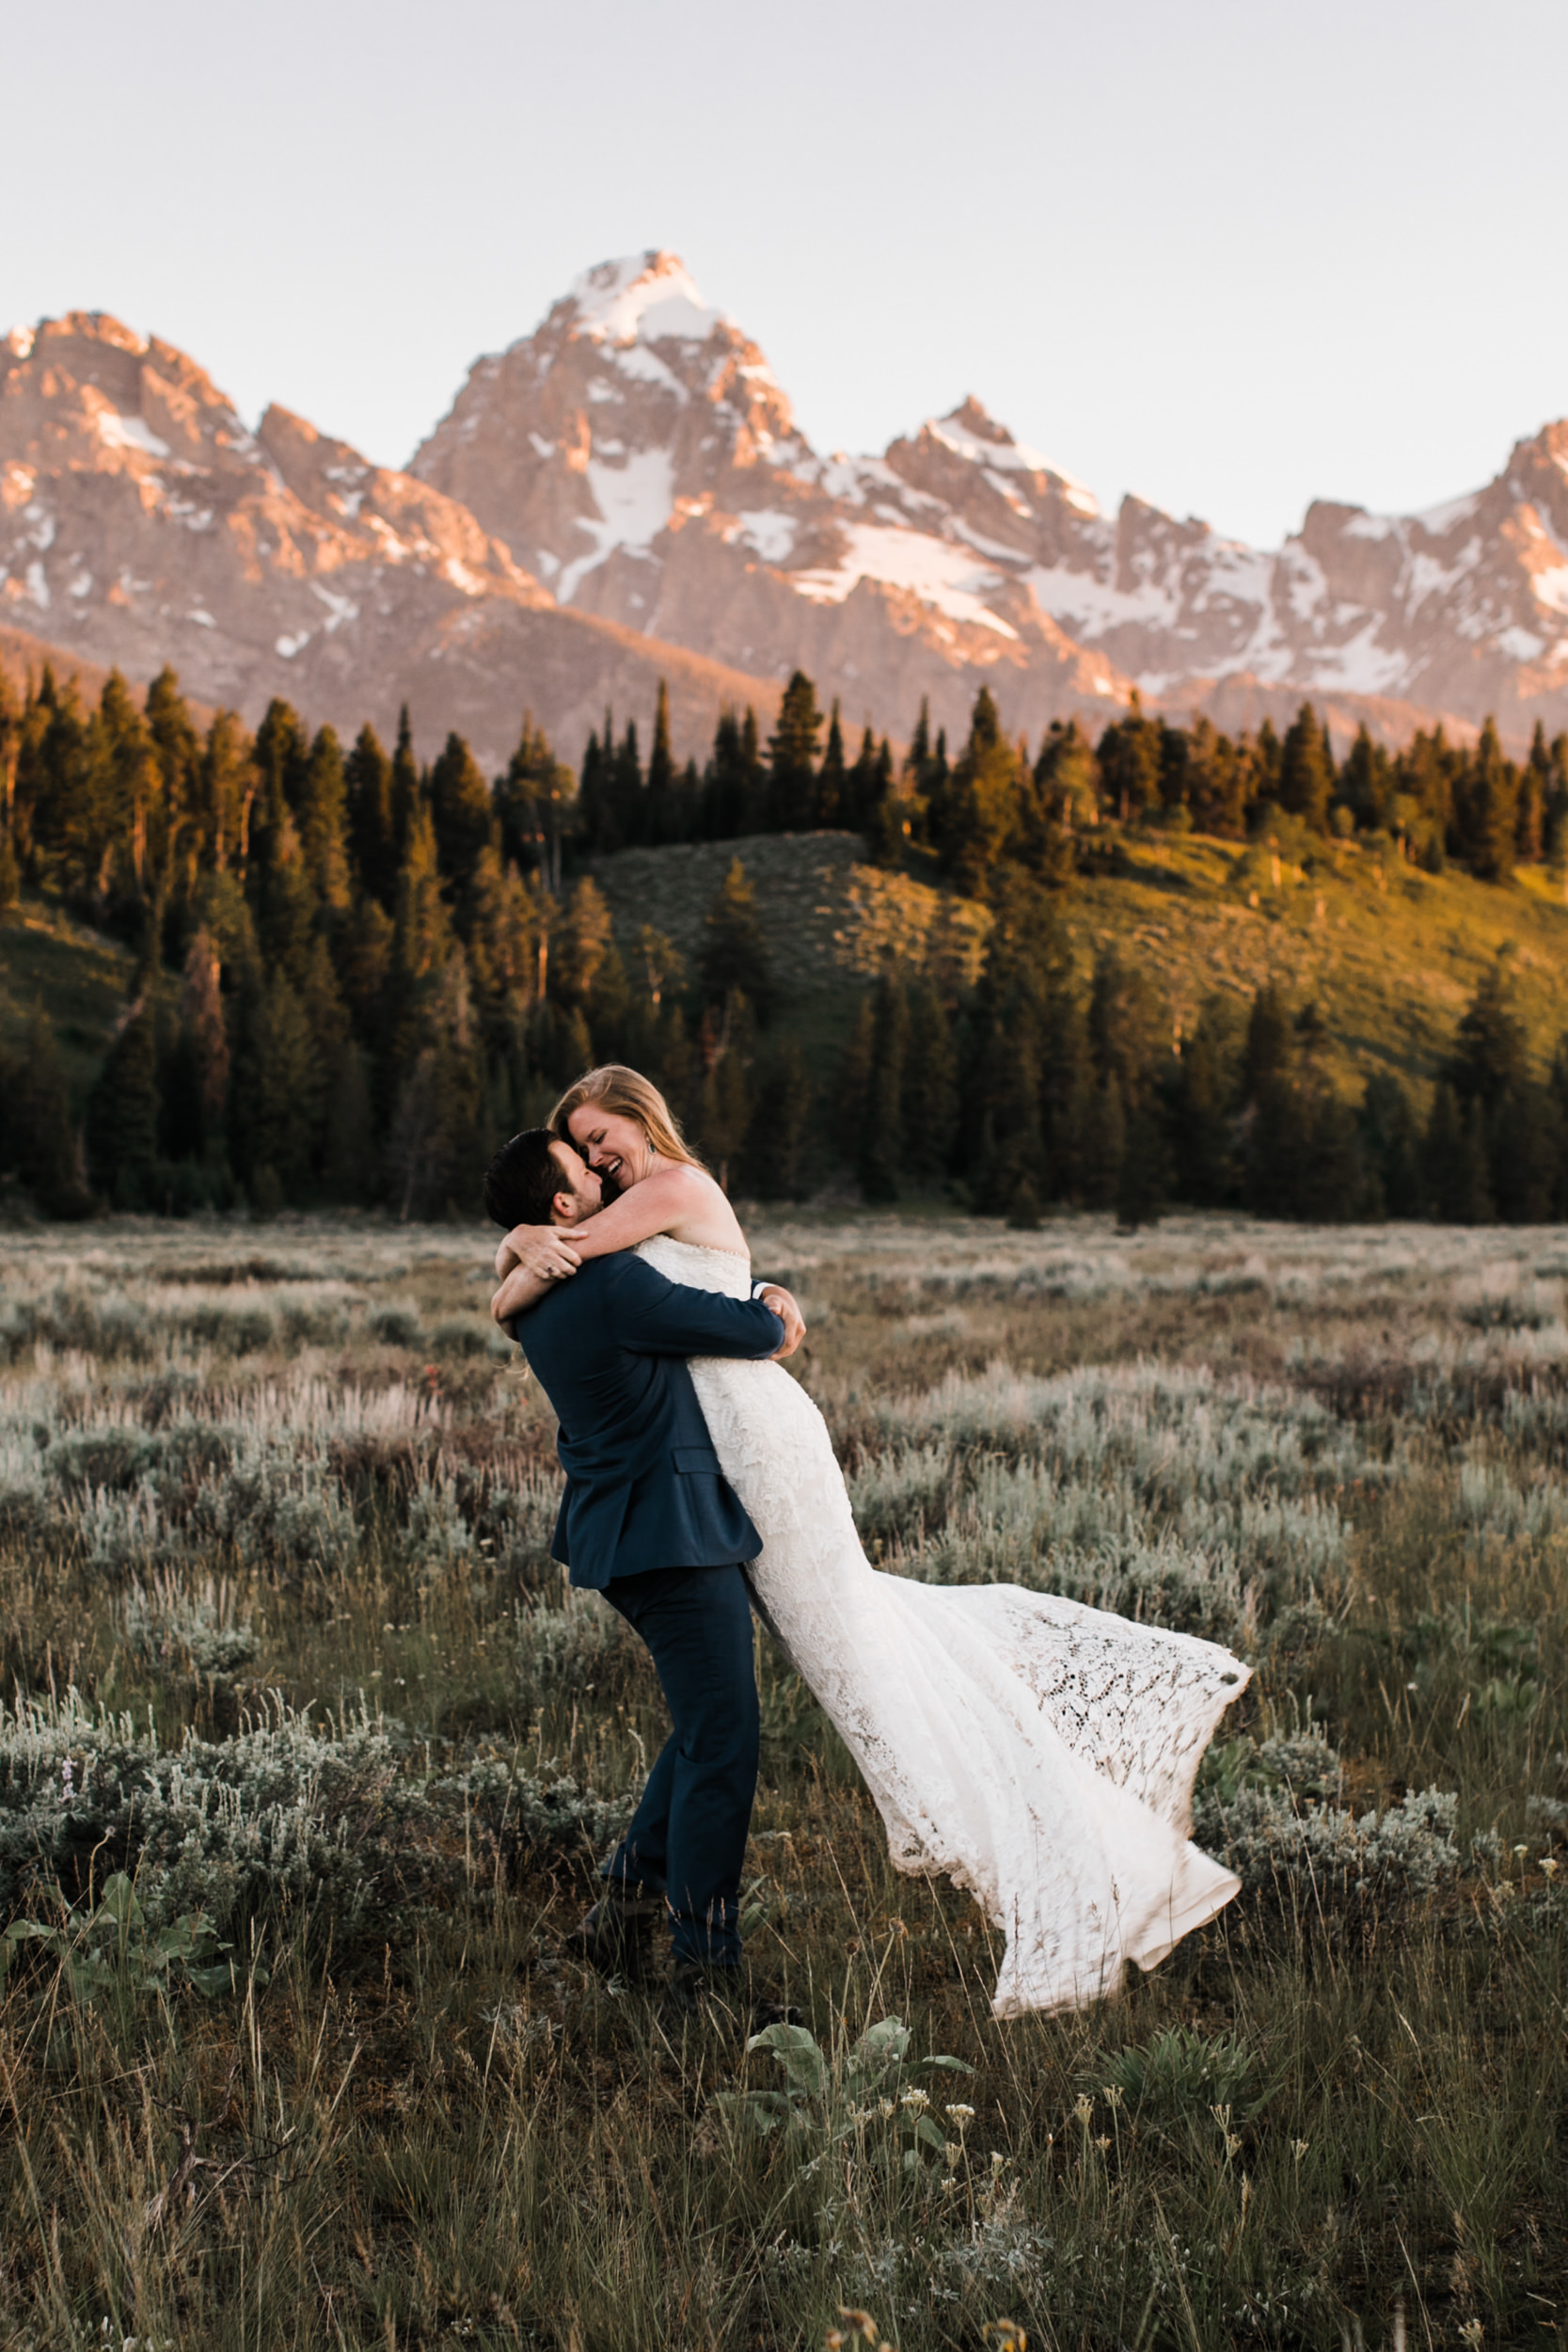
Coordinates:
(541, 1250)
(784, 1306)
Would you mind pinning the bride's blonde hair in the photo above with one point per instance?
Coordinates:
(626, 1092)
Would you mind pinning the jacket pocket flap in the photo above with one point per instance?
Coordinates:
(696, 1461)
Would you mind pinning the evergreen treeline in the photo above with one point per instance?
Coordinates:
(1040, 1088)
(965, 819)
(354, 970)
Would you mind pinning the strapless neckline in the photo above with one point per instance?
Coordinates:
(705, 1249)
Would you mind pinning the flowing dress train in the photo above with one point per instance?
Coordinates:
(1040, 1753)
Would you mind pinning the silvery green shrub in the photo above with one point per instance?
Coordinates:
(322, 1823)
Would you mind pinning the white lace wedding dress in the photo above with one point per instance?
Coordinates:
(1040, 1753)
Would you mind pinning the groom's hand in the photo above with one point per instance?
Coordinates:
(784, 1306)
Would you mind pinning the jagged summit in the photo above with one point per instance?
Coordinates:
(649, 297)
(623, 493)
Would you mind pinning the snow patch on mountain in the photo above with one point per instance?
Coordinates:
(643, 298)
(118, 432)
(935, 570)
(635, 501)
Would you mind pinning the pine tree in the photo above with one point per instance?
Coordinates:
(792, 757)
(1066, 777)
(1127, 1034)
(372, 837)
(350, 1171)
(627, 796)
(726, 1045)
(1368, 784)
(1489, 1060)
(1264, 759)
(1106, 1145)
(282, 758)
(1207, 1077)
(979, 811)
(852, 1080)
(1128, 759)
(584, 940)
(832, 779)
(409, 794)
(1306, 770)
(1390, 1150)
(1527, 1139)
(460, 811)
(879, 1160)
(661, 820)
(122, 1131)
(323, 820)
(1488, 799)
(733, 784)
(734, 954)
(538, 805)
(1269, 1053)
(930, 1096)
(779, 1144)
(196, 1089)
(227, 788)
(1143, 1179)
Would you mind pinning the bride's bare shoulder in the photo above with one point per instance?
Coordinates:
(695, 1209)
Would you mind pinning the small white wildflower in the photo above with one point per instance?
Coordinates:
(1299, 2148)
(951, 2150)
(918, 2099)
(998, 2164)
(1113, 2096)
(1085, 2106)
(959, 2114)
(1519, 1852)
(885, 2107)
(1548, 1867)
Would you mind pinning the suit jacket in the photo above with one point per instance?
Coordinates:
(643, 1487)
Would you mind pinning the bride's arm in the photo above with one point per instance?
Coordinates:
(540, 1254)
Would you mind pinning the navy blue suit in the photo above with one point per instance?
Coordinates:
(649, 1521)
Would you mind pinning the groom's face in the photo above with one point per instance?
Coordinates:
(578, 1195)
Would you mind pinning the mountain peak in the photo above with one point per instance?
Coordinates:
(970, 431)
(646, 297)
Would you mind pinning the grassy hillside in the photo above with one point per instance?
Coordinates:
(76, 975)
(1391, 954)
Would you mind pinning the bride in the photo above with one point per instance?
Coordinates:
(1040, 1753)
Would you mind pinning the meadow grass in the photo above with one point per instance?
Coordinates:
(284, 1646)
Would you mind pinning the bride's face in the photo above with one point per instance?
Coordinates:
(614, 1145)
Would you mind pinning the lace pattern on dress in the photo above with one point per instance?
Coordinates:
(1038, 1752)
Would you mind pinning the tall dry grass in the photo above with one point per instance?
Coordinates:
(285, 1648)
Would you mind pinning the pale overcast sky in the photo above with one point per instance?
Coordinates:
(1228, 254)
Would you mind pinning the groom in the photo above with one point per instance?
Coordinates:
(649, 1521)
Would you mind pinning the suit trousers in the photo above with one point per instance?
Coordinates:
(688, 1837)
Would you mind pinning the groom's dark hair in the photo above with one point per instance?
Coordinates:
(523, 1179)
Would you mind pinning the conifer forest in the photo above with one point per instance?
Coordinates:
(1166, 1137)
(352, 969)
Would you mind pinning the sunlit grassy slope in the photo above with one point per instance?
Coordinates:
(1391, 953)
(78, 976)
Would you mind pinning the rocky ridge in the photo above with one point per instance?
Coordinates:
(625, 494)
